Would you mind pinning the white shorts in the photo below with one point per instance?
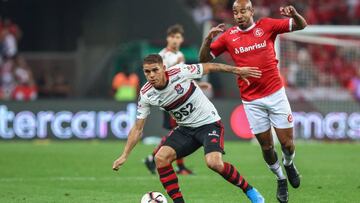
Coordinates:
(273, 110)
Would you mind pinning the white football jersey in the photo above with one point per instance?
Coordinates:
(181, 97)
(171, 58)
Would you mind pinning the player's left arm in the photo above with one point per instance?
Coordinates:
(243, 72)
(299, 21)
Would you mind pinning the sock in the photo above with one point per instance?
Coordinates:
(180, 163)
(169, 180)
(288, 158)
(277, 170)
(231, 174)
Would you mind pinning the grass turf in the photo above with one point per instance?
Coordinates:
(80, 171)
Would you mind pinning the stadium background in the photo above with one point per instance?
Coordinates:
(59, 59)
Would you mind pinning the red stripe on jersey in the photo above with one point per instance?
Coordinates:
(146, 88)
(182, 99)
(173, 71)
(147, 84)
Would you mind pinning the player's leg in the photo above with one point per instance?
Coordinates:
(258, 117)
(163, 159)
(170, 123)
(149, 161)
(177, 145)
(259, 120)
(266, 142)
(212, 137)
(270, 156)
(286, 140)
(281, 119)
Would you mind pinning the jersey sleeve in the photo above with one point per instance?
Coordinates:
(218, 46)
(182, 57)
(280, 26)
(191, 71)
(143, 108)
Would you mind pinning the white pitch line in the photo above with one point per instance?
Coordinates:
(141, 178)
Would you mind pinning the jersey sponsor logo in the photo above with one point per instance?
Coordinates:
(179, 89)
(183, 112)
(258, 32)
(250, 48)
(235, 39)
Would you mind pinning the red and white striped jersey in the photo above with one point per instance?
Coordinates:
(182, 98)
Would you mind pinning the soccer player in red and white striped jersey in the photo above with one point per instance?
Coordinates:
(199, 124)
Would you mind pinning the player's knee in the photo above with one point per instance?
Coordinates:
(267, 147)
(288, 145)
(162, 159)
(215, 164)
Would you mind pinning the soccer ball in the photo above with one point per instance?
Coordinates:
(153, 197)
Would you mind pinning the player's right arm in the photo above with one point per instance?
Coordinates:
(205, 51)
(143, 110)
(133, 138)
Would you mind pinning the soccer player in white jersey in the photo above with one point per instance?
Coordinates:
(172, 56)
(199, 123)
(251, 43)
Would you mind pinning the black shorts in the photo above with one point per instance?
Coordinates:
(186, 140)
(168, 123)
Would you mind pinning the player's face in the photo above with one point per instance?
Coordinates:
(243, 14)
(155, 74)
(175, 40)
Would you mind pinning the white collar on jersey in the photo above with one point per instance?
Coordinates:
(247, 29)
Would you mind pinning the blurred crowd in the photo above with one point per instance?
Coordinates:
(16, 78)
(320, 12)
(309, 65)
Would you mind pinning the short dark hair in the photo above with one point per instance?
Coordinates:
(152, 58)
(174, 29)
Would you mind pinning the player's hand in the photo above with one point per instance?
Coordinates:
(118, 162)
(216, 30)
(246, 72)
(288, 11)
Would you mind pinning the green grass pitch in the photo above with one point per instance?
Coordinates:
(80, 171)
